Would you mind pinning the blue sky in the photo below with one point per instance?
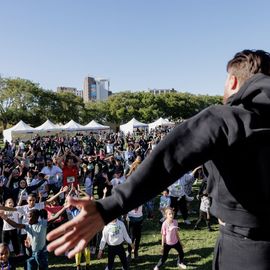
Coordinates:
(137, 44)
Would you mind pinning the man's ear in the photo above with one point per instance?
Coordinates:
(234, 83)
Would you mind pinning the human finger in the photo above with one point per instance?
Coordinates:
(64, 238)
(79, 247)
(78, 240)
(61, 230)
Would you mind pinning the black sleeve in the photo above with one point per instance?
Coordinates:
(30, 189)
(189, 145)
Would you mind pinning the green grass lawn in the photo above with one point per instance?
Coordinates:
(198, 249)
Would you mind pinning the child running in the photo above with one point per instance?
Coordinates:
(170, 239)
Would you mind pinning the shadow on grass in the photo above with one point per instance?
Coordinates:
(194, 258)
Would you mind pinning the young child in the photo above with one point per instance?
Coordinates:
(9, 233)
(72, 212)
(204, 211)
(135, 221)
(88, 183)
(165, 202)
(5, 263)
(36, 231)
(170, 239)
(25, 209)
(114, 235)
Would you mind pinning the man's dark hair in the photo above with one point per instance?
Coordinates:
(249, 62)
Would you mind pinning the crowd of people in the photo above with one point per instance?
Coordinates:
(38, 175)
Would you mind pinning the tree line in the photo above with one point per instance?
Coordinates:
(22, 99)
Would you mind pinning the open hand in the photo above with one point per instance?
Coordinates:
(74, 235)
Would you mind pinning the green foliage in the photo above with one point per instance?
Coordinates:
(22, 99)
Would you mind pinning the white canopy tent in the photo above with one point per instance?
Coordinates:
(161, 122)
(20, 130)
(93, 125)
(48, 127)
(131, 125)
(73, 126)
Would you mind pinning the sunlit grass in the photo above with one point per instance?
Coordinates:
(198, 248)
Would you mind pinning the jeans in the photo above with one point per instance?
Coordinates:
(38, 260)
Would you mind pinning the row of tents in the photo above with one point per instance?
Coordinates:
(24, 132)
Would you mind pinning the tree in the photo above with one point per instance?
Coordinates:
(18, 98)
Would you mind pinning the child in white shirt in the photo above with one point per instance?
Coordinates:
(114, 234)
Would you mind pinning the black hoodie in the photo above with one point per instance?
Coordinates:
(234, 142)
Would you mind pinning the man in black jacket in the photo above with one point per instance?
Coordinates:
(233, 140)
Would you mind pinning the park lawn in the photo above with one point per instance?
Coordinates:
(198, 248)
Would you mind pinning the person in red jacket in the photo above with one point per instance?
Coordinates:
(70, 168)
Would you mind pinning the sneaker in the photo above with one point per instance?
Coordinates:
(156, 268)
(182, 266)
(187, 222)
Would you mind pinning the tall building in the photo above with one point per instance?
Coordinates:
(95, 89)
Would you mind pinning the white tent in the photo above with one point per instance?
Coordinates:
(133, 123)
(93, 125)
(20, 130)
(47, 126)
(73, 126)
(161, 122)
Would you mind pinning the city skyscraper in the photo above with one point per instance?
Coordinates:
(95, 89)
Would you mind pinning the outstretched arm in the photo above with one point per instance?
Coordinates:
(5, 208)
(62, 190)
(186, 147)
(58, 214)
(11, 222)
